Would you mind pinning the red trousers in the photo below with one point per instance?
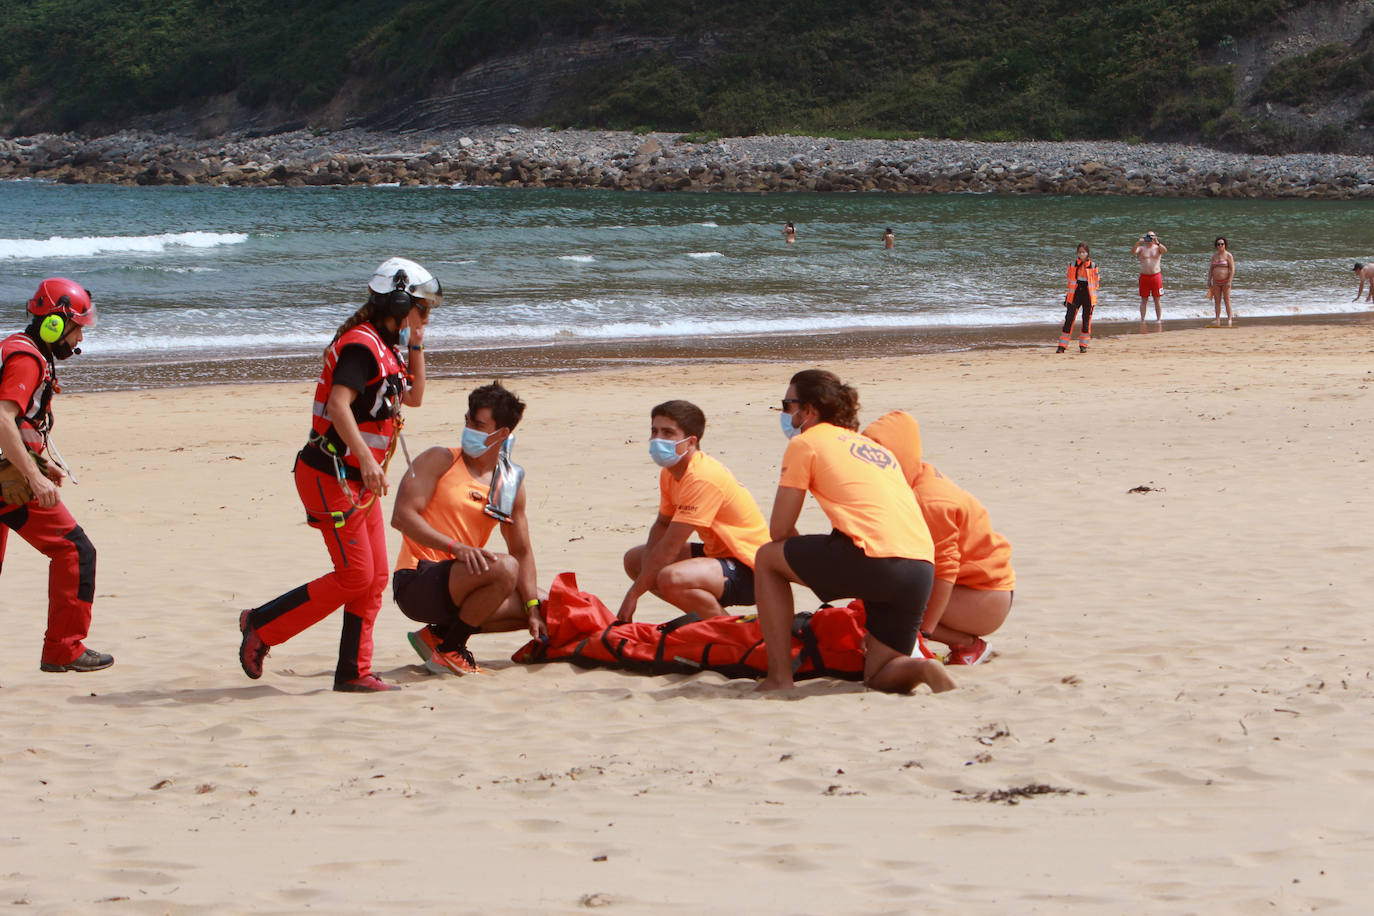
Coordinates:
(358, 548)
(71, 574)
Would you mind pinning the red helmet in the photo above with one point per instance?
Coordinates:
(60, 296)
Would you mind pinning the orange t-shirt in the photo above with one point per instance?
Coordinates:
(711, 500)
(455, 509)
(861, 488)
(967, 551)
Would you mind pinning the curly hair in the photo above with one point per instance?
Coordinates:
(506, 408)
(833, 400)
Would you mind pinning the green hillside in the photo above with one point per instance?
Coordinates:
(1046, 69)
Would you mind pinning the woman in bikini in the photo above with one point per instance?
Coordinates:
(1219, 274)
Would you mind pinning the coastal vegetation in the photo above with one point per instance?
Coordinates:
(994, 70)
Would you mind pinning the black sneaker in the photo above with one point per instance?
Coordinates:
(90, 660)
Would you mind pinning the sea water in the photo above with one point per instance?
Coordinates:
(201, 275)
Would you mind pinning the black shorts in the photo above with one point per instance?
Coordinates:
(739, 579)
(894, 589)
(422, 593)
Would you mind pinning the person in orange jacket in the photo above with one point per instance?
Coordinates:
(972, 593)
(61, 311)
(1082, 295)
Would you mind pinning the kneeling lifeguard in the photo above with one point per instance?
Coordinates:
(972, 593)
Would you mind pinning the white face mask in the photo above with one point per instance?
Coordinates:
(403, 340)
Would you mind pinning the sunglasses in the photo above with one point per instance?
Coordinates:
(786, 401)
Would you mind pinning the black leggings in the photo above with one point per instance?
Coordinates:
(1081, 299)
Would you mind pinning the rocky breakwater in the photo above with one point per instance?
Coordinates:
(542, 158)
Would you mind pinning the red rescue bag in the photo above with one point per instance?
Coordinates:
(584, 632)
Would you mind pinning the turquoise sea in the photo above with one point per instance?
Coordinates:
(220, 284)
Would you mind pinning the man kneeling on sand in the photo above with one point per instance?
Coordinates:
(447, 507)
(696, 492)
(972, 592)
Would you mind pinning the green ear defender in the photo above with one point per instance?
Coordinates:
(52, 329)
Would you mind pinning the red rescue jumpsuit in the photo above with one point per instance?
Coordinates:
(29, 379)
(355, 537)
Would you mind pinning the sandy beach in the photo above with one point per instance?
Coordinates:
(1179, 701)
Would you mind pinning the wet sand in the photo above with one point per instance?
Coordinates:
(91, 373)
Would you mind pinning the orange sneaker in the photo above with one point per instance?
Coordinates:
(968, 655)
(459, 661)
(424, 642)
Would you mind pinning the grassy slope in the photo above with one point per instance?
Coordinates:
(992, 69)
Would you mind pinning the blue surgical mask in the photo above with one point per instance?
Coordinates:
(404, 339)
(788, 429)
(474, 442)
(664, 452)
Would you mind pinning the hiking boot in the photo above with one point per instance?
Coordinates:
(459, 661)
(1059, 349)
(968, 655)
(90, 660)
(252, 650)
(1082, 349)
(368, 683)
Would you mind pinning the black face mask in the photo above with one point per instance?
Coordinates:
(64, 350)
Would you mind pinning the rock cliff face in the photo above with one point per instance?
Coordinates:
(515, 88)
(1296, 33)
(506, 89)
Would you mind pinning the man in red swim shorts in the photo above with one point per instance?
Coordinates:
(1149, 250)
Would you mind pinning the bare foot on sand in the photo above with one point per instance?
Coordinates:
(904, 674)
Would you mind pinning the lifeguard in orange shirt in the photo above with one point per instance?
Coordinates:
(879, 550)
(696, 493)
(974, 580)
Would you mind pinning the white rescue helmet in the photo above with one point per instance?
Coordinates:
(404, 275)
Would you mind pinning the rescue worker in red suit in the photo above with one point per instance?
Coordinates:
(341, 471)
(61, 311)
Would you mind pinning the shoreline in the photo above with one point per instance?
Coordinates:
(560, 358)
(508, 156)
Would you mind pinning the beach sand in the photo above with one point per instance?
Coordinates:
(1187, 668)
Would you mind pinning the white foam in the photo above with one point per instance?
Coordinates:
(93, 246)
(709, 225)
(705, 254)
(577, 258)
